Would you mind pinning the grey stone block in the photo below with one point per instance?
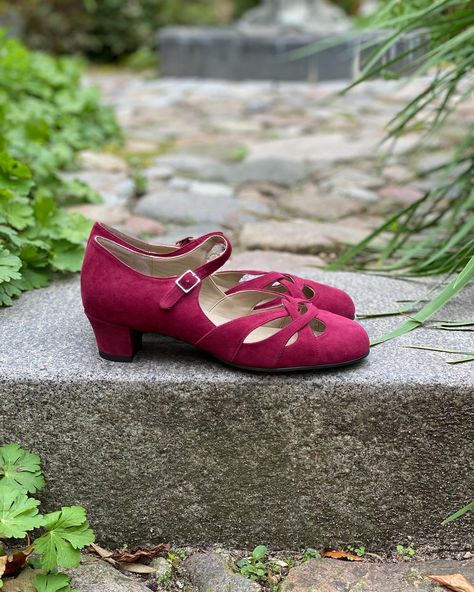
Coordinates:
(187, 208)
(229, 53)
(271, 170)
(94, 575)
(340, 576)
(209, 573)
(176, 447)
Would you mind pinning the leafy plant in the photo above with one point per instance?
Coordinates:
(46, 117)
(65, 532)
(241, 6)
(434, 235)
(405, 553)
(310, 554)
(107, 30)
(359, 550)
(253, 567)
(266, 570)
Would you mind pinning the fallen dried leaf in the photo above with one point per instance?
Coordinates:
(3, 564)
(139, 568)
(111, 561)
(280, 562)
(134, 555)
(22, 583)
(100, 551)
(341, 555)
(455, 582)
(11, 564)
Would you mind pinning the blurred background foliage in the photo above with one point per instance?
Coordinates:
(435, 234)
(107, 30)
(46, 118)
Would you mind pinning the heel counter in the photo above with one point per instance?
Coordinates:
(88, 278)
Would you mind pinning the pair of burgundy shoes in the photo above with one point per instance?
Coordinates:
(268, 322)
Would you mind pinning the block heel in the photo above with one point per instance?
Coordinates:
(116, 342)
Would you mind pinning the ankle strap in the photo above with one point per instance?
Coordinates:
(191, 278)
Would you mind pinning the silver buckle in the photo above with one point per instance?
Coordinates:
(185, 289)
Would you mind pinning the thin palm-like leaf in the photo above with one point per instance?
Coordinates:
(441, 349)
(466, 276)
(467, 508)
(434, 235)
(461, 361)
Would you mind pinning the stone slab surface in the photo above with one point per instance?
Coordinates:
(209, 573)
(94, 575)
(321, 575)
(228, 53)
(91, 576)
(176, 447)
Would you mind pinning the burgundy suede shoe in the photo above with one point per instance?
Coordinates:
(321, 295)
(126, 293)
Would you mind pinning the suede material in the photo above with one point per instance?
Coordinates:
(114, 340)
(225, 340)
(267, 352)
(114, 293)
(346, 339)
(325, 297)
(121, 302)
(191, 278)
(180, 248)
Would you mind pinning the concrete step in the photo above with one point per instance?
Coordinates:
(176, 447)
(231, 54)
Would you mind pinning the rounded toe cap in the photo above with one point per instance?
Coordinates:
(343, 340)
(333, 299)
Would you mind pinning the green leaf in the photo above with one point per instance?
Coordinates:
(44, 208)
(14, 175)
(68, 532)
(466, 276)
(9, 266)
(18, 513)
(259, 552)
(17, 211)
(31, 279)
(469, 354)
(77, 191)
(10, 233)
(52, 583)
(67, 257)
(76, 228)
(20, 469)
(459, 513)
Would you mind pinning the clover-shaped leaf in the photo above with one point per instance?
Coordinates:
(18, 513)
(52, 583)
(20, 469)
(9, 266)
(68, 532)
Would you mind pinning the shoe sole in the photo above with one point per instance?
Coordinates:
(294, 368)
(129, 359)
